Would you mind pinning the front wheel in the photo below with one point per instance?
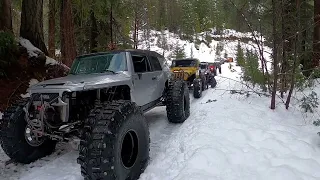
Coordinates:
(115, 142)
(17, 140)
(178, 102)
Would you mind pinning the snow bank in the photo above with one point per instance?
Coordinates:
(51, 61)
(31, 83)
(32, 50)
(1, 114)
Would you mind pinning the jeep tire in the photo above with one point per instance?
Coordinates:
(197, 88)
(213, 82)
(177, 101)
(115, 142)
(13, 139)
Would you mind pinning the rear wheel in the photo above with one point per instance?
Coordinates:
(17, 139)
(115, 142)
(197, 88)
(213, 82)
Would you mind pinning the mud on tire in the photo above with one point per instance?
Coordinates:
(13, 140)
(115, 142)
(178, 101)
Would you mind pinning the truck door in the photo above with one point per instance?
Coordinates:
(142, 80)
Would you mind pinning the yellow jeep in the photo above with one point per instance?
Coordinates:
(189, 70)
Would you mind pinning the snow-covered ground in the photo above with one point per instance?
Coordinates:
(203, 53)
(227, 137)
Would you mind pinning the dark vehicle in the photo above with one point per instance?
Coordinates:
(213, 68)
(209, 76)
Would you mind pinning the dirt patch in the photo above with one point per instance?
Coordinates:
(17, 82)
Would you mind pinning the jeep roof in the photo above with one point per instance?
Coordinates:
(153, 53)
(186, 59)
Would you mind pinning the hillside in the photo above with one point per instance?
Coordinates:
(166, 43)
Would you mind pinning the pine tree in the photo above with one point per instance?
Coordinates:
(240, 56)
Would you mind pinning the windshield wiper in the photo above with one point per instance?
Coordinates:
(108, 70)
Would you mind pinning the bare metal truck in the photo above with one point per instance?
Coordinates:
(102, 102)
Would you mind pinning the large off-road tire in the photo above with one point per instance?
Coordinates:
(213, 82)
(197, 88)
(115, 142)
(177, 102)
(13, 140)
(204, 83)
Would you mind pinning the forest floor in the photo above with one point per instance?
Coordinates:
(228, 136)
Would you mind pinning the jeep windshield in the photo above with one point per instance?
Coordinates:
(203, 66)
(102, 63)
(183, 63)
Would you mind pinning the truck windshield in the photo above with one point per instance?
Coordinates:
(112, 62)
(183, 63)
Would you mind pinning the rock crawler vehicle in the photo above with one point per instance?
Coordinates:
(209, 74)
(189, 70)
(102, 102)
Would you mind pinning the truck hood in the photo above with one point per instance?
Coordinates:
(92, 81)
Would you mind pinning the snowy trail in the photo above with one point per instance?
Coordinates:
(230, 137)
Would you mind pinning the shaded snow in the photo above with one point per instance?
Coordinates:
(32, 50)
(51, 61)
(31, 83)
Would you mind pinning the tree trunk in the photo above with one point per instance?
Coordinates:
(52, 29)
(68, 45)
(32, 23)
(135, 33)
(111, 24)
(316, 35)
(5, 15)
(93, 33)
(296, 53)
(275, 55)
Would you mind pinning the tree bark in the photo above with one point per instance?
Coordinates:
(94, 32)
(68, 45)
(5, 15)
(275, 55)
(32, 23)
(52, 29)
(135, 33)
(296, 53)
(316, 35)
(111, 24)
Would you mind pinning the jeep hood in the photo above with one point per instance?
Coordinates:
(85, 81)
(189, 70)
